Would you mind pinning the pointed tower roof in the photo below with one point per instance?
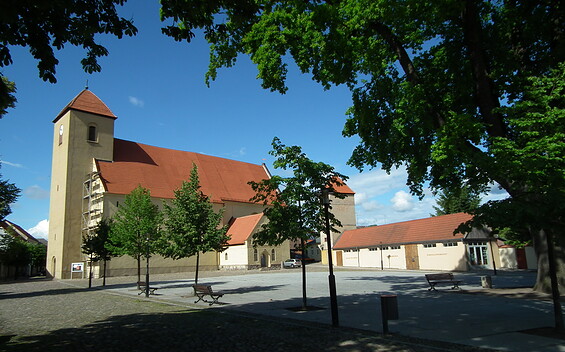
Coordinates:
(87, 101)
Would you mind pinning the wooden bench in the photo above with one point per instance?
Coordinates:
(204, 290)
(142, 288)
(443, 278)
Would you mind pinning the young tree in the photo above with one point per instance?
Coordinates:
(295, 210)
(137, 227)
(457, 200)
(97, 246)
(191, 224)
(450, 89)
(52, 25)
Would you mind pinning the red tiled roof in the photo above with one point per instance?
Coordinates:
(17, 230)
(343, 189)
(88, 102)
(163, 170)
(241, 228)
(437, 228)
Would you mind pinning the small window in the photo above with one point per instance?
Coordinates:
(273, 256)
(255, 255)
(429, 245)
(450, 244)
(92, 134)
(226, 256)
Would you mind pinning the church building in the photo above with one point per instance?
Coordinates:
(92, 171)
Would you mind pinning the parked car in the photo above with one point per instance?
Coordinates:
(291, 263)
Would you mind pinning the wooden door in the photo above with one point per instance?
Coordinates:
(339, 258)
(521, 258)
(412, 260)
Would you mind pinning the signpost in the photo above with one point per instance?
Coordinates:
(77, 268)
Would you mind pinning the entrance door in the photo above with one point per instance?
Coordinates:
(412, 260)
(478, 254)
(521, 258)
(265, 262)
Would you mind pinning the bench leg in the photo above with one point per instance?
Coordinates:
(200, 298)
(432, 287)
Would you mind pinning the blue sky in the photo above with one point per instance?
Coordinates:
(156, 88)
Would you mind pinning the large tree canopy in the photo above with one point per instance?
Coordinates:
(460, 92)
(43, 26)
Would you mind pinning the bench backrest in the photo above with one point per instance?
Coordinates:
(203, 288)
(442, 276)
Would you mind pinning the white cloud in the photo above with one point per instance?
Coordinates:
(136, 102)
(10, 164)
(377, 182)
(41, 230)
(402, 201)
(36, 192)
(242, 151)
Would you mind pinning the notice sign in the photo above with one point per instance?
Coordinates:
(77, 267)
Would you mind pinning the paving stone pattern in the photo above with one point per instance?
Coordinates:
(45, 315)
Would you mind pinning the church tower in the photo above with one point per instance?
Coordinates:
(83, 131)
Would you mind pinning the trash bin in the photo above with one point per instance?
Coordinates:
(486, 281)
(389, 310)
(389, 307)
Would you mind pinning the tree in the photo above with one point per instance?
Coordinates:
(458, 200)
(97, 246)
(137, 227)
(14, 252)
(191, 224)
(294, 207)
(7, 97)
(38, 256)
(51, 25)
(9, 193)
(450, 89)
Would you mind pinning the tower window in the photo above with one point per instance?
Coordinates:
(92, 134)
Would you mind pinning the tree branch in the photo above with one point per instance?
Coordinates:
(485, 92)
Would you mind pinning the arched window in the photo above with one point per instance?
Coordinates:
(92, 133)
(255, 255)
(273, 257)
(226, 256)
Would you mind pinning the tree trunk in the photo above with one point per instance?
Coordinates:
(90, 273)
(303, 248)
(543, 281)
(138, 271)
(104, 274)
(197, 264)
(550, 271)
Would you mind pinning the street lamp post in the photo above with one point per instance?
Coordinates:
(331, 277)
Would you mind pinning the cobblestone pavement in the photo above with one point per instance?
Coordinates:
(45, 315)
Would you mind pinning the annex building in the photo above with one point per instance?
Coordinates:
(92, 171)
(429, 244)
